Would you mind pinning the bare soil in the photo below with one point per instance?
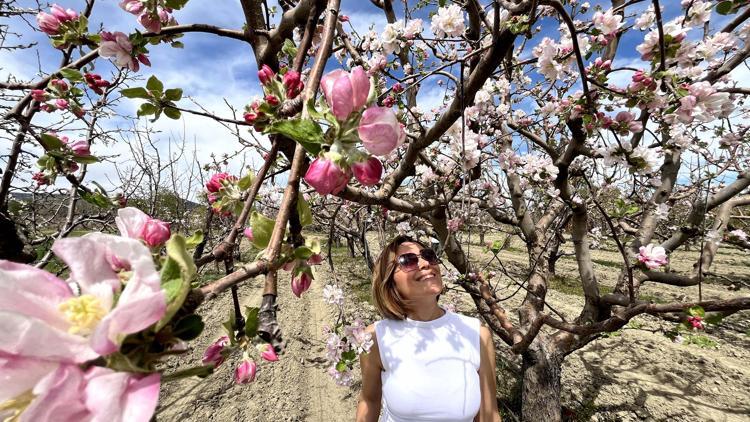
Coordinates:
(630, 375)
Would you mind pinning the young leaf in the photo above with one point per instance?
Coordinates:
(696, 311)
(85, 159)
(306, 132)
(194, 240)
(154, 85)
(246, 181)
(51, 142)
(72, 75)
(251, 321)
(147, 109)
(172, 113)
(304, 212)
(137, 92)
(176, 276)
(262, 229)
(173, 94)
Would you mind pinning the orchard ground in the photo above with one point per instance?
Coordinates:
(633, 374)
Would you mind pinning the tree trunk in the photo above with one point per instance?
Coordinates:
(542, 370)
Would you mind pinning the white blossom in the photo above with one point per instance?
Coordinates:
(448, 21)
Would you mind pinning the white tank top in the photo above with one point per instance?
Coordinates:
(430, 369)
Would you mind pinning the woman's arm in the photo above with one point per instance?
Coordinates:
(368, 408)
(488, 406)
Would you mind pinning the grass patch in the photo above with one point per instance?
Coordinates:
(571, 286)
(651, 298)
(605, 263)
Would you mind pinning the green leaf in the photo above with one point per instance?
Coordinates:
(137, 92)
(303, 252)
(154, 85)
(314, 245)
(349, 355)
(173, 94)
(229, 326)
(289, 48)
(306, 132)
(188, 327)
(86, 159)
(176, 277)
(341, 366)
(177, 44)
(147, 109)
(95, 198)
(246, 181)
(51, 142)
(176, 4)
(304, 212)
(194, 240)
(262, 229)
(172, 113)
(251, 321)
(696, 311)
(724, 8)
(72, 75)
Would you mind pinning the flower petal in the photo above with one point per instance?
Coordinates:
(27, 337)
(88, 262)
(20, 374)
(120, 396)
(58, 397)
(32, 292)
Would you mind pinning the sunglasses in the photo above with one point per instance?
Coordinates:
(410, 261)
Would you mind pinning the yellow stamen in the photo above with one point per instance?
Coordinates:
(83, 313)
(11, 409)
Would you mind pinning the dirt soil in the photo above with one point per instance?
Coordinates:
(632, 375)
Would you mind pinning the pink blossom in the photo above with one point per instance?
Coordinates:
(268, 353)
(68, 394)
(39, 95)
(345, 92)
(301, 283)
(41, 179)
(652, 256)
(132, 6)
(326, 176)
(315, 259)
(272, 100)
(143, 59)
(455, 224)
(368, 172)
(266, 75)
(696, 322)
(80, 148)
(380, 130)
(245, 371)
(63, 15)
(607, 23)
(155, 232)
(49, 24)
(151, 22)
(118, 45)
(248, 232)
(216, 181)
(293, 84)
(214, 354)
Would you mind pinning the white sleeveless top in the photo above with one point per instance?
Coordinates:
(430, 369)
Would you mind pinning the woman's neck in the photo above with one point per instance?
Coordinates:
(425, 312)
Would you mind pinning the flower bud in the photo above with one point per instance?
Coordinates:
(301, 284)
(245, 371)
(248, 232)
(80, 148)
(266, 75)
(326, 177)
(215, 183)
(293, 84)
(213, 354)
(368, 172)
(345, 92)
(49, 24)
(61, 103)
(380, 130)
(155, 232)
(268, 353)
(39, 95)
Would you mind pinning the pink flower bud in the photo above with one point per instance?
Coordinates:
(155, 232)
(345, 92)
(268, 353)
(144, 59)
(63, 15)
(326, 177)
(61, 103)
(248, 232)
(213, 354)
(315, 259)
(245, 371)
(301, 284)
(215, 183)
(49, 24)
(132, 6)
(80, 148)
(696, 322)
(272, 100)
(39, 95)
(266, 75)
(380, 130)
(152, 23)
(397, 88)
(369, 172)
(343, 18)
(389, 101)
(41, 179)
(293, 84)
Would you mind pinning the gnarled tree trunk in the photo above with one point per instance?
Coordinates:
(542, 371)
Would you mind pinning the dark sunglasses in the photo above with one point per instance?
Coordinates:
(410, 261)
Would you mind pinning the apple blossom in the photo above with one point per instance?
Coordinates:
(333, 295)
(607, 23)
(217, 181)
(345, 92)
(368, 172)
(214, 354)
(132, 6)
(267, 352)
(448, 21)
(293, 83)
(326, 176)
(380, 130)
(63, 15)
(652, 256)
(248, 232)
(696, 322)
(245, 371)
(118, 45)
(80, 148)
(301, 284)
(155, 232)
(266, 75)
(136, 224)
(49, 24)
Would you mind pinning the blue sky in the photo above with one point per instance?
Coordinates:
(211, 69)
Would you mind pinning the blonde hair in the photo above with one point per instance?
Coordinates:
(388, 301)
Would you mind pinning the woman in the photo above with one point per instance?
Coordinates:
(426, 363)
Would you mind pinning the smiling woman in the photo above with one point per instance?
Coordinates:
(426, 363)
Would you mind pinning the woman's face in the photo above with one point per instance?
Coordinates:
(423, 282)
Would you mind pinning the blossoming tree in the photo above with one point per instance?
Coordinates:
(553, 118)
